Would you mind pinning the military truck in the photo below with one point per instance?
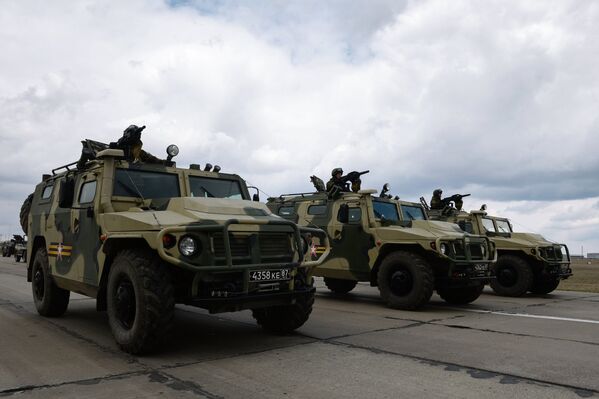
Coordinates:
(526, 262)
(391, 244)
(142, 236)
(13, 247)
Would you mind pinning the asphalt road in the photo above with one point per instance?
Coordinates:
(352, 346)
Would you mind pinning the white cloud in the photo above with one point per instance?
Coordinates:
(498, 100)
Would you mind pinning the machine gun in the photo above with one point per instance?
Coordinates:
(354, 179)
(456, 199)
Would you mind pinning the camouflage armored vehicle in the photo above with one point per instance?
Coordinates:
(20, 249)
(526, 262)
(390, 244)
(9, 248)
(140, 236)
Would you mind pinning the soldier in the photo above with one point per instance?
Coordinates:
(436, 202)
(336, 185)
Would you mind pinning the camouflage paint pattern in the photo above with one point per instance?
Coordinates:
(528, 245)
(357, 247)
(78, 240)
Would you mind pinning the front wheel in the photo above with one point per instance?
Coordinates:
(17, 259)
(140, 300)
(405, 280)
(339, 286)
(49, 299)
(461, 295)
(544, 285)
(286, 318)
(513, 276)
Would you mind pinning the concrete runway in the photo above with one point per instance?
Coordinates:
(352, 346)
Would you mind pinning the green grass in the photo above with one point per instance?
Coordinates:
(585, 276)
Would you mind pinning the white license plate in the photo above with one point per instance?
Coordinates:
(270, 275)
(481, 267)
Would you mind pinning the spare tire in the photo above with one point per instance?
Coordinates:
(24, 215)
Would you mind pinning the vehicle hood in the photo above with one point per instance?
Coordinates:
(522, 240)
(422, 229)
(187, 210)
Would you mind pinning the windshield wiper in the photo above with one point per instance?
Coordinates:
(143, 200)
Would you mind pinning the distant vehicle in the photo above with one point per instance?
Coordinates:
(20, 250)
(392, 245)
(526, 262)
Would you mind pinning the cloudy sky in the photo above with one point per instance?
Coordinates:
(496, 98)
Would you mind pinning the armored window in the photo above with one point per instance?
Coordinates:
(354, 215)
(412, 212)
(47, 192)
(317, 209)
(214, 188)
(286, 211)
(466, 226)
(488, 225)
(88, 192)
(503, 226)
(137, 183)
(385, 210)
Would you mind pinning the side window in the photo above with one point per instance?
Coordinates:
(47, 193)
(317, 209)
(466, 226)
(88, 192)
(354, 215)
(286, 211)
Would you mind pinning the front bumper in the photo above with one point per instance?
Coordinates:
(469, 258)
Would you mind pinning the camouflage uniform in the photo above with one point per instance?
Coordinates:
(336, 185)
(436, 201)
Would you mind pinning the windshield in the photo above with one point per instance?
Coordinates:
(503, 226)
(488, 225)
(385, 210)
(149, 185)
(214, 188)
(411, 212)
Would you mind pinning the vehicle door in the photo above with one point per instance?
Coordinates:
(85, 241)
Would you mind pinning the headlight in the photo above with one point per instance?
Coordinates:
(443, 248)
(188, 246)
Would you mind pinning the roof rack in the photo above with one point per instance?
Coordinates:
(300, 194)
(65, 167)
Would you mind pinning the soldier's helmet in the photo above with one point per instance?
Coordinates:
(336, 170)
(438, 192)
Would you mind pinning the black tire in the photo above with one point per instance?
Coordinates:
(339, 286)
(461, 295)
(24, 214)
(17, 258)
(140, 300)
(405, 280)
(544, 285)
(49, 299)
(287, 318)
(513, 276)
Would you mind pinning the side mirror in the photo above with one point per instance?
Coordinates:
(343, 216)
(256, 197)
(67, 193)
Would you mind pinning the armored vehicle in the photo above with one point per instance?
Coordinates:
(140, 236)
(392, 245)
(20, 249)
(526, 261)
(14, 247)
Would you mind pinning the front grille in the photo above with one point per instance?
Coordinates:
(240, 245)
(476, 251)
(551, 253)
(272, 244)
(262, 247)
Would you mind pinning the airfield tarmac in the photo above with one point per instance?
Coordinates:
(352, 346)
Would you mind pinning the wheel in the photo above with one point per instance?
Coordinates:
(140, 300)
(339, 286)
(17, 258)
(287, 318)
(544, 285)
(405, 280)
(461, 295)
(49, 299)
(513, 276)
(24, 214)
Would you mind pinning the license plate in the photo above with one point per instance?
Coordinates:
(270, 275)
(481, 267)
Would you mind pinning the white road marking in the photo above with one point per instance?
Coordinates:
(532, 316)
